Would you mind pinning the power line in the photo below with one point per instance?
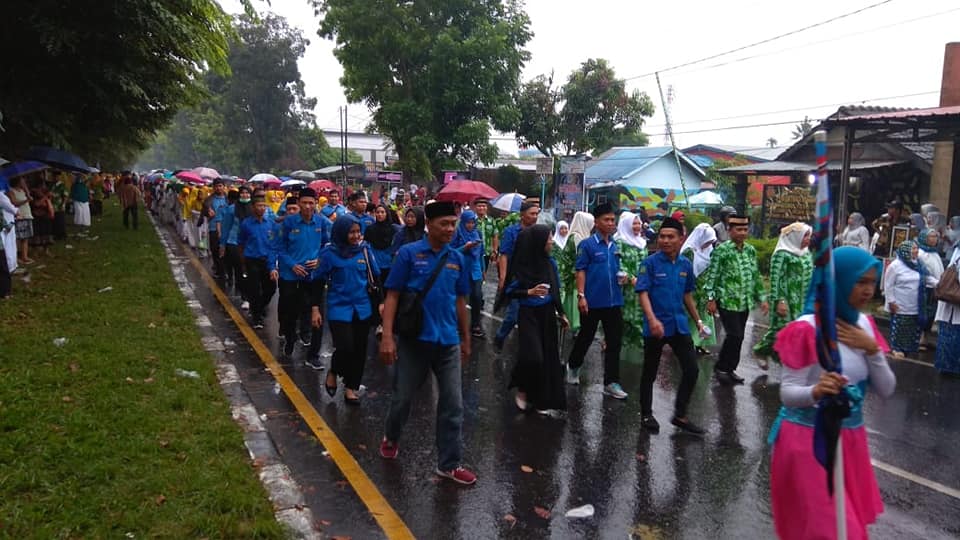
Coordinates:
(762, 42)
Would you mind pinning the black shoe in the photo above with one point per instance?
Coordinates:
(650, 423)
(736, 378)
(478, 333)
(687, 426)
(258, 324)
(498, 345)
(724, 378)
(351, 400)
(331, 390)
(288, 346)
(313, 362)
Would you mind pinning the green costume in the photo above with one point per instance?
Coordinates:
(733, 277)
(700, 295)
(630, 259)
(566, 258)
(488, 231)
(791, 268)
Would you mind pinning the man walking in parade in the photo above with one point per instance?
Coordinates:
(488, 232)
(665, 284)
(333, 208)
(733, 287)
(211, 210)
(357, 201)
(600, 301)
(430, 266)
(255, 239)
(529, 212)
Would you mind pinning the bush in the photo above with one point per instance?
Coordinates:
(764, 249)
(691, 220)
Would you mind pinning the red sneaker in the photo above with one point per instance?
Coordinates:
(459, 475)
(389, 450)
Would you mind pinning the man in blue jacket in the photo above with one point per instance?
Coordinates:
(255, 241)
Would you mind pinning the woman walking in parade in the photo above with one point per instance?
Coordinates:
(802, 506)
(929, 257)
(467, 240)
(414, 228)
(581, 227)
(348, 267)
(905, 295)
(380, 237)
(633, 250)
(697, 247)
(791, 268)
(532, 278)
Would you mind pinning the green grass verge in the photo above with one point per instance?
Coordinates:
(100, 438)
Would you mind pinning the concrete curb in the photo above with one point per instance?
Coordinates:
(284, 492)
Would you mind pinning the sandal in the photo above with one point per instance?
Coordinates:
(331, 390)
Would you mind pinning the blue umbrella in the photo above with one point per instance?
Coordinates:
(508, 202)
(21, 168)
(60, 159)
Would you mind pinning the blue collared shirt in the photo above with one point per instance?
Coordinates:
(410, 272)
(216, 204)
(228, 233)
(666, 282)
(508, 239)
(328, 210)
(347, 280)
(365, 221)
(601, 262)
(298, 242)
(256, 237)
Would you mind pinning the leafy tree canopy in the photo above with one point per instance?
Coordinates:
(591, 112)
(100, 78)
(437, 74)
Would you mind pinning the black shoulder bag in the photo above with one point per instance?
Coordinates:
(409, 320)
(374, 292)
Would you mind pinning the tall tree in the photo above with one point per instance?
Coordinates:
(437, 74)
(592, 111)
(100, 78)
(772, 142)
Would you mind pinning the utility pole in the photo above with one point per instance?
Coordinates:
(673, 144)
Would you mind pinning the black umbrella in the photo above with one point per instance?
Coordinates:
(60, 159)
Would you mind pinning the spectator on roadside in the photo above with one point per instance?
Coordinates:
(855, 233)
(129, 196)
(20, 197)
(721, 226)
(8, 239)
(58, 197)
(442, 345)
(80, 195)
(42, 209)
(905, 297)
(929, 257)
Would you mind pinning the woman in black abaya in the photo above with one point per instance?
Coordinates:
(532, 278)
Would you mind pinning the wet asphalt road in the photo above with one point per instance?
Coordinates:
(669, 485)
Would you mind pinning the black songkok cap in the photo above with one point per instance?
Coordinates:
(439, 209)
(671, 223)
(308, 192)
(603, 209)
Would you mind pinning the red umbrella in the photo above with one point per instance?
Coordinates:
(206, 172)
(322, 185)
(465, 191)
(273, 182)
(188, 176)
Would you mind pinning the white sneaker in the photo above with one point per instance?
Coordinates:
(615, 391)
(573, 375)
(244, 305)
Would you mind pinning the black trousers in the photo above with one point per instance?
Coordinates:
(734, 325)
(6, 284)
(682, 346)
(260, 287)
(350, 350)
(476, 303)
(60, 225)
(612, 320)
(127, 212)
(214, 243)
(293, 311)
(232, 259)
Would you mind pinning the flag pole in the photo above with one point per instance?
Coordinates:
(839, 491)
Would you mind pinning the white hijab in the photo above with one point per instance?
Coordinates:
(791, 238)
(581, 227)
(625, 231)
(560, 240)
(701, 234)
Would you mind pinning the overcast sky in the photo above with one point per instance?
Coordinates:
(895, 49)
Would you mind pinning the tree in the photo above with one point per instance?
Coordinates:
(772, 142)
(437, 74)
(802, 129)
(725, 183)
(591, 112)
(100, 78)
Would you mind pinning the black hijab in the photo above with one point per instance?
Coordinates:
(530, 264)
(415, 233)
(380, 234)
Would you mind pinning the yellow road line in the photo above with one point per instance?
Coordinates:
(386, 516)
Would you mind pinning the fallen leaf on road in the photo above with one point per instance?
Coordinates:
(160, 500)
(342, 484)
(526, 468)
(511, 519)
(641, 457)
(542, 512)
(362, 446)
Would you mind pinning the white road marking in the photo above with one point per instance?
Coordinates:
(936, 486)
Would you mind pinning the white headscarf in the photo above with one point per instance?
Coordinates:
(560, 240)
(701, 234)
(625, 231)
(791, 238)
(581, 227)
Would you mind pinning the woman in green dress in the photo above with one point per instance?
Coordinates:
(633, 249)
(791, 268)
(698, 247)
(581, 227)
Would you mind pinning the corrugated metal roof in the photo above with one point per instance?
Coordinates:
(764, 153)
(906, 113)
(779, 167)
(622, 162)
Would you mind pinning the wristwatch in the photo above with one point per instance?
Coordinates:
(581, 295)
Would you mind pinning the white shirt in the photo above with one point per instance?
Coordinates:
(901, 286)
(7, 207)
(949, 313)
(934, 265)
(858, 237)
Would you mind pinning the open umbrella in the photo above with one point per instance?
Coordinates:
(705, 198)
(262, 177)
(21, 168)
(291, 183)
(190, 176)
(60, 159)
(322, 185)
(508, 202)
(465, 191)
(272, 182)
(206, 172)
(302, 175)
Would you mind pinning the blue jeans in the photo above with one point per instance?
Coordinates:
(415, 359)
(509, 320)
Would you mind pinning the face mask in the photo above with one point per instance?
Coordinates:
(244, 200)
